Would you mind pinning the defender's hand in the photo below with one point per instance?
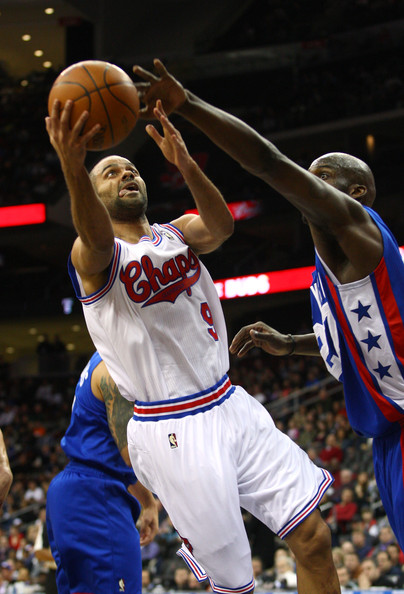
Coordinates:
(263, 336)
(161, 85)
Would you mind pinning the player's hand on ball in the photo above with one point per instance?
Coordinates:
(260, 335)
(68, 142)
(161, 85)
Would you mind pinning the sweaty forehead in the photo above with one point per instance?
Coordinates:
(324, 162)
(337, 161)
(111, 161)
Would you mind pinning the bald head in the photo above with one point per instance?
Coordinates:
(349, 171)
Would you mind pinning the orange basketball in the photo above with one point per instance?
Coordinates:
(106, 92)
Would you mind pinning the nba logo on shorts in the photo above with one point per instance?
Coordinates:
(172, 438)
(121, 585)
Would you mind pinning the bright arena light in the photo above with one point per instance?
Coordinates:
(279, 281)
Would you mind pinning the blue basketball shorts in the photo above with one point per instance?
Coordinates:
(91, 522)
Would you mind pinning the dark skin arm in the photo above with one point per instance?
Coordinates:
(272, 342)
(343, 232)
(119, 411)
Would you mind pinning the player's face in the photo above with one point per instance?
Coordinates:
(120, 187)
(333, 169)
(324, 171)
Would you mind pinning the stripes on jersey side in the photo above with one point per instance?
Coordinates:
(390, 313)
(186, 405)
(243, 590)
(310, 507)
(387, 407)
(113, 271)
(174, 230)
(402, 453)
(201, 575)
(192, 563)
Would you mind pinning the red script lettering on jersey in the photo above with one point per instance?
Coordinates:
(163, 284)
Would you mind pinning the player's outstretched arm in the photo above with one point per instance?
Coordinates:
(244, 144)
(273, 342)
(214, 224)
(93, 249)
(6, 476)
(336, 219)
(254, 152)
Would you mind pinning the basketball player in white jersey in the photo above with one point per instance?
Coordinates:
(204, 446)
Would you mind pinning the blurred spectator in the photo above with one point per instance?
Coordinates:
(181, 577)
(371, 577)
(4, 547)
(306, 436)
(338, 556)
(362, 490)
(23, 583)
(361, 542)
(258, 572)
(15, 536)
(369, 523)
(8, 573)
(347, 547)
(396, 557)
(386, 538)
(43, 554)
(285, 573)
(34, 493)
(342, 514)
(147, 585)
(353, 564)
(345, 579)
(345, 479)
(385, 565)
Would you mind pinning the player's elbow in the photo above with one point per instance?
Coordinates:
(221, 235)
(227, 229)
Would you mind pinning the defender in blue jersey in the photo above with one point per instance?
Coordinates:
(93, 504)
(358, 286)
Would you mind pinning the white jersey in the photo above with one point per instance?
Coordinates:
(157, 322)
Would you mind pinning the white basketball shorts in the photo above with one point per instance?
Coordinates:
(209, 454)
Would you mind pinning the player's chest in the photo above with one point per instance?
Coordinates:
(151, 274)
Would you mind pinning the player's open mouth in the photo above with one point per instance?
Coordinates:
(132, 187)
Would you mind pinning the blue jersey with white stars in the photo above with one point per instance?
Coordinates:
(360, 333)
